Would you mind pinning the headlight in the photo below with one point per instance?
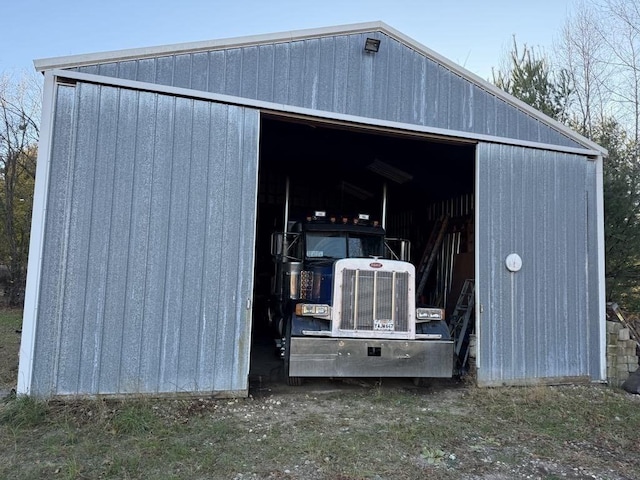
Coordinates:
(313, 310)
(429, 314)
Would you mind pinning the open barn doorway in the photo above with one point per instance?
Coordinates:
(428, 184)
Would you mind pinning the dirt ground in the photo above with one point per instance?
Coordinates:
(332, 429)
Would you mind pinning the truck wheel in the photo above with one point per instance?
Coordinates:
(291, 381)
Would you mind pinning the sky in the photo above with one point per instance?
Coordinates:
(475, 34)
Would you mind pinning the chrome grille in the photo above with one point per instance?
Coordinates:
(370, 296)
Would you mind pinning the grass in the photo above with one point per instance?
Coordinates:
(383, 431)
(10, 326)
(402, 433)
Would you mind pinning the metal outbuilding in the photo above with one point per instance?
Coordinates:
(160, 168)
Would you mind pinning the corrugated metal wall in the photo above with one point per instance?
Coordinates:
(335, 74)
(148, 245)
(541, 322)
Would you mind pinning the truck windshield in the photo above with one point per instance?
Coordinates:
(343, 245)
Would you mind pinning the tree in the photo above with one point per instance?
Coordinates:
(581, 51)
(621, 36)
(19, 131)
(622, 213)
(584, 107)
(529, 77)
(600, 49)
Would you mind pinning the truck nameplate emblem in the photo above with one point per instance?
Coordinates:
(375, 265)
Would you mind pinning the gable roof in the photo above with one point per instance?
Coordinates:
(81, 60)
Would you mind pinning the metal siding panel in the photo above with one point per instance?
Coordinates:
(456, 103)
(146, 70)
(119, 235)
(419, 89)
(78, 237)
(479, 110)
(335, 74)
(532, 203)
(99, 230)
(381, 74)
(182, 71)
(217, 71)
(444, 91)
(558, 138)
(545, 134)
(311, 73)
(326, 73)
(355, 46)
(248, 159)
(200, 71)
(592, 329)
(164, 70)
(530, 234)
(178, 172)
(266, 73)
(93, 69)
(50, 313)
(528, 128)
(249, 78)
(486, 326)
(233, 72)
(367, 91)
(155, 242)
(520, 301)
(228, 262)
(191, 326)
(229, 246)
(341, 81)
(502, 118)
(407, 83)
(296, 73)
(282, 66)
(491, 114)
(467, 102)
(512, 122)
(141, 242)
(144, 204)
(394, 85)
(432, 93)
(128, 70)
(213, 322)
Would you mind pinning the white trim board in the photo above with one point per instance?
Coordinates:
(36, 242)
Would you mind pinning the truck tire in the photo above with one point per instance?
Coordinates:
(291, 381)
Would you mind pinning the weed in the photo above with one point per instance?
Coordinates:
(133, 419)
(24, 411)
(10, 330)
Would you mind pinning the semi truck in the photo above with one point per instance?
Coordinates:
(343, 303)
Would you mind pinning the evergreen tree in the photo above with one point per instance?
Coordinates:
(530, 78)
(621, 182)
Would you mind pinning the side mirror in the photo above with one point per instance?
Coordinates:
(277, 242)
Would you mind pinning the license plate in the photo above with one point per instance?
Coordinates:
(384, 325)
